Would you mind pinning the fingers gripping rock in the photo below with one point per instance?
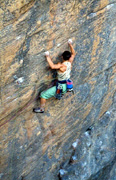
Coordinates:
(47, 53)
(70, 41)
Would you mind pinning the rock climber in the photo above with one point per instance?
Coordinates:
(63, 72)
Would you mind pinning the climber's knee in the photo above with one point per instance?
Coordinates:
(51, 92)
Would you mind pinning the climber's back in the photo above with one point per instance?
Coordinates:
(65, 75)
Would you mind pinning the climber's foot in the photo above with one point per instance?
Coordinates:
(38, 110)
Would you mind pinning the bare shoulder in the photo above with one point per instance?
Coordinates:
(59, 63)
(63, 67)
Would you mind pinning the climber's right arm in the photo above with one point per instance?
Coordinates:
(51, 64)
(73, 54)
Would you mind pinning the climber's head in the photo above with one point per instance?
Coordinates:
(66, 55)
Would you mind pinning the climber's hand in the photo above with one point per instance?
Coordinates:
(47, 53)
(70, 41)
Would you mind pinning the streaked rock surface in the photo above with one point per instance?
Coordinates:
(34, 146)
(95, 155)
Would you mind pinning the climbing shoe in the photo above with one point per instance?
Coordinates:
(38, 110)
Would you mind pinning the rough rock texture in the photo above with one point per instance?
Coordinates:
(94, 157)
(34, 146)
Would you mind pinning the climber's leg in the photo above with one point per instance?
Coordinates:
(51, 92)
(42, 103)
(41, 108)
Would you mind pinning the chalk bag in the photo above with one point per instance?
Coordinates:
(69, 83)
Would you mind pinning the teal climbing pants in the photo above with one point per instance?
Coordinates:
(51, 92)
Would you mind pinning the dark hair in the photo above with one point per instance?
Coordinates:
(66, 55)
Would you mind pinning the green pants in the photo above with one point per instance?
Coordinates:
(51, 92)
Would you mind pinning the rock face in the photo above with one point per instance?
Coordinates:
(94, 157)
(37, 146)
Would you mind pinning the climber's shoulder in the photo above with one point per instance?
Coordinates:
(57, 66)
(62, 67)
(72, 58)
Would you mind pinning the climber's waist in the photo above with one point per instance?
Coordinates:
(62, 82)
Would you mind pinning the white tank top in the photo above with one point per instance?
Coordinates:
(66, 74)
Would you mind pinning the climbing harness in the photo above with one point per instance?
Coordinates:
(59, 89)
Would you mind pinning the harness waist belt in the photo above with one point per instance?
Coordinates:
(62, 82)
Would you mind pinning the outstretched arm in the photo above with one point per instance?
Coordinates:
(72, 51)
(51, 64)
